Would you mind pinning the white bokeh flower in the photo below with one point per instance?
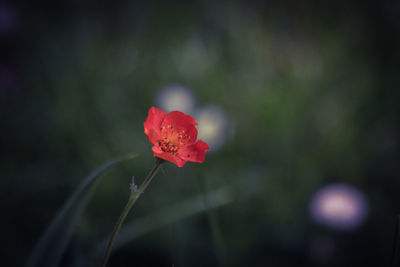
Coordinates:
(339, 206)
(175, 97)
(214, 128)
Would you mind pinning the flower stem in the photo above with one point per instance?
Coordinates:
(132, 199)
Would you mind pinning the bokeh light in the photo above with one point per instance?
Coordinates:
(8, 19)
(339, 206)
(175, 97)
(8, 78)
(214, 127)
(322, 250)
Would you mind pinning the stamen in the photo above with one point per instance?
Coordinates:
(172, 139)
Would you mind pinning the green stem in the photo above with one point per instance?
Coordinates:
(132, 199)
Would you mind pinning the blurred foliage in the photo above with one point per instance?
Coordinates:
(312, 91)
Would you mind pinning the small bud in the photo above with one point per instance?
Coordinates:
(133, 186)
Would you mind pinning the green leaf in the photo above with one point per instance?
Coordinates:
(49, 249)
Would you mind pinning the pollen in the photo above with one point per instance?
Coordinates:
(172, 139)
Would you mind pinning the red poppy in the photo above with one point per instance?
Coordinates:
(174, 137)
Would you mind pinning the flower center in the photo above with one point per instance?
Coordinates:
(172, 139)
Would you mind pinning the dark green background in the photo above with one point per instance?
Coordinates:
(312, 90)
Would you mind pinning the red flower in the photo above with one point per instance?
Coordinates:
(174, 137)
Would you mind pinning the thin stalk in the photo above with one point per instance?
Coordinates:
(135, 193)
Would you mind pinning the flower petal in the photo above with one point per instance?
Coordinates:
(194, 152)
(152, 125)
(181, 121)
(168, 156)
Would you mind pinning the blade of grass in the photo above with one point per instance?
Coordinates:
(49, 249)
(213, 220)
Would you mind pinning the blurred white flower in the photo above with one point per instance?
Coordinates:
(339, 206)
(214, 126)
(175, 97)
